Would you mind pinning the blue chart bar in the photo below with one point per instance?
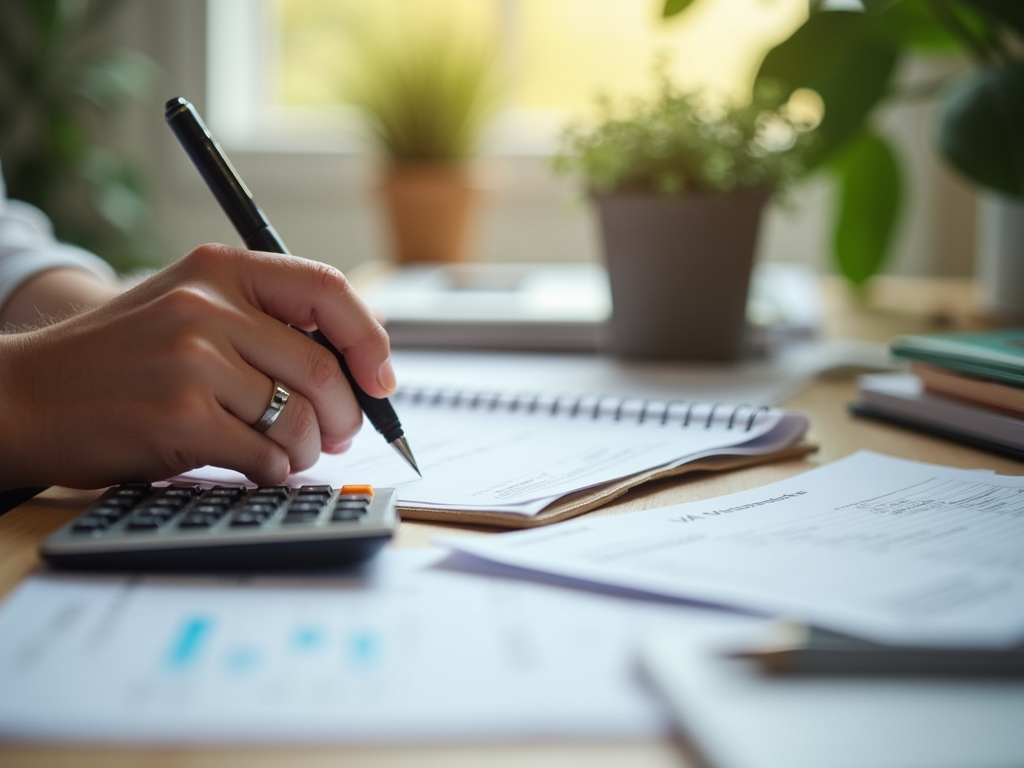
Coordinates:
(189, 642)
(307, 639)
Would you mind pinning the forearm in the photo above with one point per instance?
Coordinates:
(54, 294)
(16, 468)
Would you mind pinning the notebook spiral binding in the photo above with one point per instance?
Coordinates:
(686, 414)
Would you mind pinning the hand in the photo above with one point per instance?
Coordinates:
(171, 375)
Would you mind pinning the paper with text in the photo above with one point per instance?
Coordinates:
(892, 550)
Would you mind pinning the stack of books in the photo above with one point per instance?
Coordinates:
(967, 387)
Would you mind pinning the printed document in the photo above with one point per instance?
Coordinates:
(891, 550)
(403, 651)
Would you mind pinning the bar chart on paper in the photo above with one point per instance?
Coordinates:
(400, 653)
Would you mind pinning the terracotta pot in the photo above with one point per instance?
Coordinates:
(679, 269)
(430, 208)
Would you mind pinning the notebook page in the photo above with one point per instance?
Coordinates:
(519, 461)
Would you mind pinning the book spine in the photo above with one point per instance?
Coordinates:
(666, 413)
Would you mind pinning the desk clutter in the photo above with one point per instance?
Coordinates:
(965, 387)
(536, 634)
(564, 307)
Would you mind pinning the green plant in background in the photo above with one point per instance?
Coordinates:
(426, 96)
(59, 87)
(850, 58)
(678, 142)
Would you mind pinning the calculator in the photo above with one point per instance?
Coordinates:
(186, 527)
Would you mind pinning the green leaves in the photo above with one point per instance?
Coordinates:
(672, 7)
(114, 76)
(1009, 12)
(981, 128)
(839, 55)
(868, 206)
(426, 97)
(677, 143)
(59, 83)
(849, 58)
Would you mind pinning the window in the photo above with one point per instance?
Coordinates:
(277, 67)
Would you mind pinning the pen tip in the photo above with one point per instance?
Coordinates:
(401, 445)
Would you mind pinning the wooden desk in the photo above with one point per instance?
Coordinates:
(838, 434)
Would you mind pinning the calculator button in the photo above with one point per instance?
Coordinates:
(90, 524)
(198, 521)
(119, 501)
(185, 494)
(211, 509)
(226, 493)
(247, 519)
(310, 493)
(171, 502)
(317, 501)
(353, 497)
(259, 508)
(144, 523)
(306, 506)
(274, 491)
(109, 511)
(316, 489)
(124, 492)
(361, 490)
(352, 503)
(293, 517)
(347, 513)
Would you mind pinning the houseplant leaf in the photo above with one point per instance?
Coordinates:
(981, 128)
(868, 205)
(1009, 12)
(839, 55)
(672, 7)
(913, 24)
(114, 76)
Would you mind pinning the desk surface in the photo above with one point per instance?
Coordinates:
(836, 432)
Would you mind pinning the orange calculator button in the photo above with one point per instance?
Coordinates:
(365, 490)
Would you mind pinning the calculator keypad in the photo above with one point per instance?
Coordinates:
(138, 509)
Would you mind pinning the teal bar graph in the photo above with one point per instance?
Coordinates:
(189, 642)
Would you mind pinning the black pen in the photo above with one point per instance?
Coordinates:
(257, 234)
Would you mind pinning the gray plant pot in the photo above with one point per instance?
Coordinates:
(679, 269)
(999, 262)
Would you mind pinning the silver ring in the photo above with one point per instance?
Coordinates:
(277, 403)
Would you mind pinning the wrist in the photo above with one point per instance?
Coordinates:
(53, 295)
(18, 466)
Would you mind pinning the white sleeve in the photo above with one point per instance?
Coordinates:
(28, 247)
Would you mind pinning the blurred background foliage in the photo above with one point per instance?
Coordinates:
(60, 87)
(851, 59)
(426, 90)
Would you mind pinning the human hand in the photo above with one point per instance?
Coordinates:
(171, 375)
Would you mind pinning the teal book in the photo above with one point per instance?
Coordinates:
(994, 355)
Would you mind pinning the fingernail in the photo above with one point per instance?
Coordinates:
(336, 448)
(386, 376)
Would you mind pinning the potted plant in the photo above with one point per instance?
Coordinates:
(680, 184)
(426, 98)
(61, 84)
(851, 59)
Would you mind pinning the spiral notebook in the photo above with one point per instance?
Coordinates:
(522, 460)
